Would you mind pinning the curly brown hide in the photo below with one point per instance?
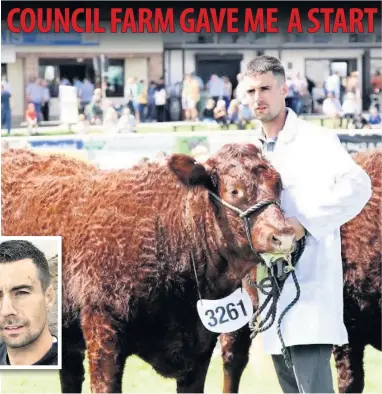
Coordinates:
(128, 281)
(26, 163)
(361, 255)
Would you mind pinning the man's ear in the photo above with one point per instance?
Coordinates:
(188, 170)
(50, 297)
(284, 89)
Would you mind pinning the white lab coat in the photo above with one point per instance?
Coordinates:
(323, 188)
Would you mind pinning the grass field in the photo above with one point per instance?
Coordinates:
(139, 377)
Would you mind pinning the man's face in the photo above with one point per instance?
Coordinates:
(23, 304)
(266, 95)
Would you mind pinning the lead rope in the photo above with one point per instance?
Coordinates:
(276, 288)
(196, 277)
(274, 295)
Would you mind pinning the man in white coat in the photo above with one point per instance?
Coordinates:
(323, 188)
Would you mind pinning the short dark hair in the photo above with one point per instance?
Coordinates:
(15, 250)
(263, 64)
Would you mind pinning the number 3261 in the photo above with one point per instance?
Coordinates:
(229, 309)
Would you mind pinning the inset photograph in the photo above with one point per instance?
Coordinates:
(30, 302)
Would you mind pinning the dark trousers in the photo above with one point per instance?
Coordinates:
(160, 113)
(6, 119)
(45, 111)
(142, 112)
(37, 107)
(311, 371)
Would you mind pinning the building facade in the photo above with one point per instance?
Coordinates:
(314, 56)
(172, 55)
(69, 55)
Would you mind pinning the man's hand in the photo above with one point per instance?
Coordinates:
(298, 228)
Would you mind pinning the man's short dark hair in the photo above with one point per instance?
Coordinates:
(15, 250)
(263, 64)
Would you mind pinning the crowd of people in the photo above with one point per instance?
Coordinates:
(219, 101)
(342, 101)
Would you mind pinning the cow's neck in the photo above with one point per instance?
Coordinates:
(213, 265)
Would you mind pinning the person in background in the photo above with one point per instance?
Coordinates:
(290, 100)
(160, 98)
(65, 81)
(349, 108)
(110, 117)
(240, 92)
(233, 112)
(333, 85)
(199, 80)
(83, 125)
(77, 84)
(131, 94)
(94, 109)
(85, 94)
(318, 96)
(143, 104)
(35, 94)
(245, 114)
(190, 97)
(139, 87)
(45, 100)
(215, 88)
(300, 85)
(376, 81)
(151, 116)
(331, 107)
(227, 91)
(374, 118)
(5, 82)
(208, 113)
(6, 113)
(31, 119)
(127, 122)
(220, 114)
(359, 122)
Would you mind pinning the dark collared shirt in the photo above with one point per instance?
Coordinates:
(50, 358)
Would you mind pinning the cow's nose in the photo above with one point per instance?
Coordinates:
(282, 242)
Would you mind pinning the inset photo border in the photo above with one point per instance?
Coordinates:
(22, 294)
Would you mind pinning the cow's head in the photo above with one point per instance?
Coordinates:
(240, 176)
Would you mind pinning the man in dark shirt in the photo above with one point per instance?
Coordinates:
(26, 296)
(6, 115)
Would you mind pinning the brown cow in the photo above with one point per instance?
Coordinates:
(128, 281)
(26, 163)
(361, 240)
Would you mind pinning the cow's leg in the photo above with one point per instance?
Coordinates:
(235, 352)
(194, 380)
(106, 352)
(349, 363)
(72, 373)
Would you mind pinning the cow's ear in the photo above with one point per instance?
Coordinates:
(188, 170)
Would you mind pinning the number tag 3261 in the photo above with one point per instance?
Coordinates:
(226, 314)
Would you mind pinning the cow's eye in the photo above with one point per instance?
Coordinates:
(234, 192)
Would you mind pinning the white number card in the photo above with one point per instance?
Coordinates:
(226, 314)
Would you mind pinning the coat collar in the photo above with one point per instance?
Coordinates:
(288, 132)
(286, 135)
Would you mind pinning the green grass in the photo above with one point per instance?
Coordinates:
(139, 377)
